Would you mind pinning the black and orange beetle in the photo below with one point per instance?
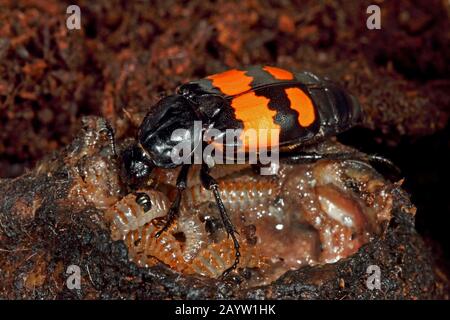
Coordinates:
(305, 108)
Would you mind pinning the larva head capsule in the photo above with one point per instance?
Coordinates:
(144, 201)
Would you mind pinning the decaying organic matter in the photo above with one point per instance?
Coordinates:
(54, 216)
(307, 214)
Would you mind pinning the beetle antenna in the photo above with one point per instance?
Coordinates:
(110, 133)
(309, 157)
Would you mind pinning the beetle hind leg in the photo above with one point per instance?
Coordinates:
(210, 183)
(309, 157)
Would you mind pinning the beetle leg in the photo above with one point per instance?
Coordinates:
(174, 210)
(210, 183)
(308, 157)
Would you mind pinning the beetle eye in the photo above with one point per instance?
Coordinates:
(144, 201)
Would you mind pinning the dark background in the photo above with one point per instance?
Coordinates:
(127, 54)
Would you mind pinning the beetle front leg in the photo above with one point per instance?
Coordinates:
(174, 210)
(210, 183)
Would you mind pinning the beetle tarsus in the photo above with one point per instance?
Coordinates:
(237, 255)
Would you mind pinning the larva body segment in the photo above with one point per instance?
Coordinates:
(146, 250)
(129, 222)
(127, 215)
(210, 261)
(237, 195)
(217, 257)
(192, 230)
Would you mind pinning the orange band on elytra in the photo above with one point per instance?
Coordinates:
(301, 103)
(231, 82)
(255, 115)
(279, 74)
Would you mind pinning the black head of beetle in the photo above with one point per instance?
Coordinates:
(169, 122)
(137, 165)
